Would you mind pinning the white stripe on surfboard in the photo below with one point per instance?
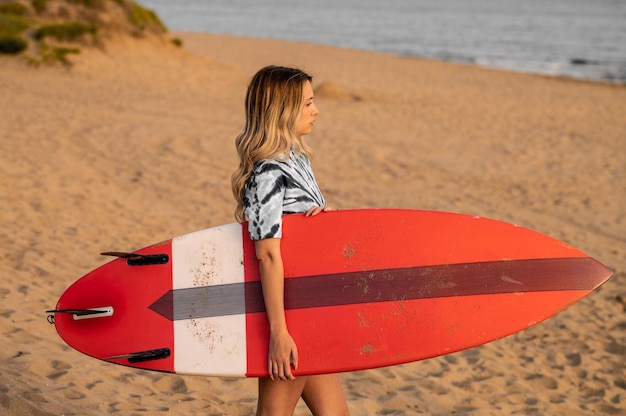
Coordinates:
(213, 345)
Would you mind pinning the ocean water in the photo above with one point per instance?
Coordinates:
(576, 38)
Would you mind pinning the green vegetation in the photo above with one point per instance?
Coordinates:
(12, 44)
(56, 54)
(39, 6)
(177, 42)
(11, 25)
(37, 24)
(15, 9)
(65, 31)
(51, 55)
(144, 18)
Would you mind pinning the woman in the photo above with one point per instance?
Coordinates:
(274, 178)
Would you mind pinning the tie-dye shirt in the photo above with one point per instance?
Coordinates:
(277, 188)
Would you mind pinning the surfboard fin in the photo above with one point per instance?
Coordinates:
(138, 357)
(80, 314)
(136, 259)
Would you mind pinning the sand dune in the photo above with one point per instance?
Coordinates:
(134, 145)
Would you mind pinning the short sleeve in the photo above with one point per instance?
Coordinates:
(263, 201)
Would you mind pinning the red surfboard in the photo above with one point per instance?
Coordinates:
(363, 289)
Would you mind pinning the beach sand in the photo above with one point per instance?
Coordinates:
(134, 144)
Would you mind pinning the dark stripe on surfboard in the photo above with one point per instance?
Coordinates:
(511, 276)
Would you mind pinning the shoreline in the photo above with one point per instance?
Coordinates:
(134, 144)
(471, 61)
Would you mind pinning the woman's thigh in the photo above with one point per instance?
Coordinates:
(324, 395)
(277, 398)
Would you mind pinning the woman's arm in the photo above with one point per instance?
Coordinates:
(282, 348)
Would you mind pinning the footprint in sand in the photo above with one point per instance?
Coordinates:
(60, 365)
(74, 395)
(171, 384)
(34, 396)
(574, 359)
(543, 382)
(61, 368)
(6, 313)
(616, 348)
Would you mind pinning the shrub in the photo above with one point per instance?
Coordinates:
(11, 25)
(39, 5)
(177, 42)
(16, 9)
(56, 54)
(144, 18)
(65, 31)
(12, 44)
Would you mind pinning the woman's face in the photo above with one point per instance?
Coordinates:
(309, 112)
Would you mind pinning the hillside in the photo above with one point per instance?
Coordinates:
(49, 31)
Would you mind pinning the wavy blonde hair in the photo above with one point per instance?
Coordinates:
(274, 102)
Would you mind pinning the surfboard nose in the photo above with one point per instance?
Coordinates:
(601, 274)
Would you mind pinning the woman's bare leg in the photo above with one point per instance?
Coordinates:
(324, 396)
(279, 398)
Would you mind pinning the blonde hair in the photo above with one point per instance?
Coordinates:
(273, 105)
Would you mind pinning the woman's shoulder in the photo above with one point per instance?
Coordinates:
(278, 162)
(268, 170)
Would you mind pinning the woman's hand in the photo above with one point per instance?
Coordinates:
(316, 210)
(283, 354)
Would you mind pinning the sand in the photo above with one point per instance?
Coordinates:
(134, 145)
